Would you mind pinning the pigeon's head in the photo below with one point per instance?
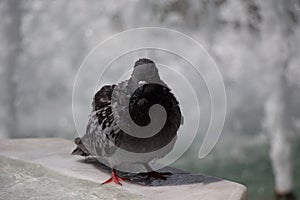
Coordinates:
(145, 70)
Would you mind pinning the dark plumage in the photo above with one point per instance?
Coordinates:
(103, 134)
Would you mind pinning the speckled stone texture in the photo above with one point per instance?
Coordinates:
(44, 169)
(23, 180)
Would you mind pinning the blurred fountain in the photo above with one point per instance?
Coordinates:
(255, 43)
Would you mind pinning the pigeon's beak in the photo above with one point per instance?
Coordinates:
(142, 82)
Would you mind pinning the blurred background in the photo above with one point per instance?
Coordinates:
(256, 45)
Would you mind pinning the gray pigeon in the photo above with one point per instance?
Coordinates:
(104, 134)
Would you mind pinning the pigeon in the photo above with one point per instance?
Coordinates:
(105, 133)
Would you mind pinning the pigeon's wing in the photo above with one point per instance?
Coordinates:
(101, 133)
(80, 149)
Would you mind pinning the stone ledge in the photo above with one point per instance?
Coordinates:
(70, 176)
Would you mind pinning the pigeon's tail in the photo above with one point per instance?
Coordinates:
(80, 149)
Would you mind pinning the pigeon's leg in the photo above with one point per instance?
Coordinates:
(114, 178)
(154, 174)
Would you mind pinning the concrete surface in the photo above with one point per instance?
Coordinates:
(44, 169)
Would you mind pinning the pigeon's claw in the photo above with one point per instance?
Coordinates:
(114, 178)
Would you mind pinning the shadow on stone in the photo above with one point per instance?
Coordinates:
(178, 177)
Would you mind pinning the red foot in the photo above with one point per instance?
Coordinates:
(114, 178)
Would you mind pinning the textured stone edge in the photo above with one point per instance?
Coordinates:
(44, 172)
